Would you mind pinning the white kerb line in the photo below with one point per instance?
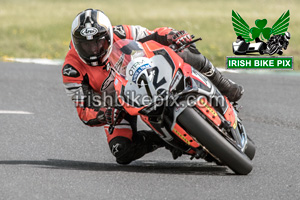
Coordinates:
(15, 112)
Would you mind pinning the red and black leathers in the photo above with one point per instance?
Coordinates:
(86, 84)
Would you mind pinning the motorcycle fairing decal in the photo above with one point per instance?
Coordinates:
(230, 115)
(176, 80)
(204, 106)
(197, 83)
(184, 136)
(165, 54)
(138, 70)
(151, 46)
(148, 81)
(162, 72)
(200, 77)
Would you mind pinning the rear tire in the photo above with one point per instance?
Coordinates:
(215, 143)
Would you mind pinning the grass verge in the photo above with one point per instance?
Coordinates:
(41, 28)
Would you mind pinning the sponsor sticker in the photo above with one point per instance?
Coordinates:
(181, 136)
(69, 70)
(138, 71)
(203, 103)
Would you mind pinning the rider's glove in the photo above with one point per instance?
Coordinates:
(101, 116)
(179, 38)
(113, 115)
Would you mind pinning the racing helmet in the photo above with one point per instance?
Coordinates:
(92, 36)
(287, 36)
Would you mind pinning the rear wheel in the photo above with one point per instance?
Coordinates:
(214, 142)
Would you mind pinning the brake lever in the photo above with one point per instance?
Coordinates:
(187, 44)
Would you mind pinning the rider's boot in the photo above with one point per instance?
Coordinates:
(127, 150)
(232, 90)
(176, 153)
(153, 141)
(149, 139)
(227, 87)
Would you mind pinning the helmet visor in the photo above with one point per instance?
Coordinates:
(92, 50)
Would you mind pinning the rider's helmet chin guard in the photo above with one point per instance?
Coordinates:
(92, 36)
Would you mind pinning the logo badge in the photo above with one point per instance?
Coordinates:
(115, 149)
(260, 40)
(69, 70)
(89, 31)
(119, 31)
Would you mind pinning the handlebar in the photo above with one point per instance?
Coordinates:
(174, 47)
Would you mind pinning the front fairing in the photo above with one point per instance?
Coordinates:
(168, 77)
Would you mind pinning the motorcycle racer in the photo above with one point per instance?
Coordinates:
(87, 75)
(279, 41)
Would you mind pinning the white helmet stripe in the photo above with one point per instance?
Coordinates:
(75, 24)
(88, 13)
(105, 22)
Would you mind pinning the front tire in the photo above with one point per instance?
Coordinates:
(214, 142)
(273, 48)
(250, 148)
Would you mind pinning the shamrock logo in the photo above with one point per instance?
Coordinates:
(260, 30)
(241, 28)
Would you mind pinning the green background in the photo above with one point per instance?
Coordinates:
(41, 28)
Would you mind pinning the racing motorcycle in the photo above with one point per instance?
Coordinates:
(180, 104)
(277, 43)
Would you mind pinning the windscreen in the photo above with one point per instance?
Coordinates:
(123, 51)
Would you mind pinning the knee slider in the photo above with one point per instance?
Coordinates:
(119, 146)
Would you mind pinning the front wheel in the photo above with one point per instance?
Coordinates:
(273, 48)
(214, 142)
(250, 148)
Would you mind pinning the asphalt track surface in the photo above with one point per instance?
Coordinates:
(51, 154)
